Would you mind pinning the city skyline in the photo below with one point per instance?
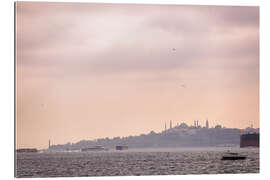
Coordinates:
(198, 125)
(88, 70)
(174, 130)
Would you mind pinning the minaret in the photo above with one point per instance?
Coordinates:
(207, 124)
(49, 143)
(170, 124)
(195, 123)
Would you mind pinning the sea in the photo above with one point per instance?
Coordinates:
(136, 162)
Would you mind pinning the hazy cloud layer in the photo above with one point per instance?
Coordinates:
(130, 37)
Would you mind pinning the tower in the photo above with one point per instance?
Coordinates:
(207, 124)
(165, 126)
(195, 123)
(49, 143)
(170, 124)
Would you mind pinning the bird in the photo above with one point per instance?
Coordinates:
(183, 86)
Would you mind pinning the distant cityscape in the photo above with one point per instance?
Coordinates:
(181, 135)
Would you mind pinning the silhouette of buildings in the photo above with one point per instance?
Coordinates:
(196, 123)
(182, 135)
(207, 124)
(218, 126)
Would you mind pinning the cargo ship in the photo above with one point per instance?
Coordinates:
(250, 140)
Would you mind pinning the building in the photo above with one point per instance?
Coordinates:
(218, 127)
(250, 140)
(183, 125)
(207, 124)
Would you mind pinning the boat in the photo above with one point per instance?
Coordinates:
(27, 150)
(233, 156)
(121, 148)
(250, 140)
(95, 148)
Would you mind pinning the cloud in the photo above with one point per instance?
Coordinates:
(98, 38)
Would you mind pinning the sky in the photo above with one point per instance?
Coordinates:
(86, 71)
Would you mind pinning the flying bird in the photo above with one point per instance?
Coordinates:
(183, 86)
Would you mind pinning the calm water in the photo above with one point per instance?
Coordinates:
(135, 162)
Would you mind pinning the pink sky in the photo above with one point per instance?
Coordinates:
(87, 71)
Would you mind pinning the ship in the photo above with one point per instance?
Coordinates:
(27, 150)
(233, 156)
(250, 140)
(121, 148)
(95, 148)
